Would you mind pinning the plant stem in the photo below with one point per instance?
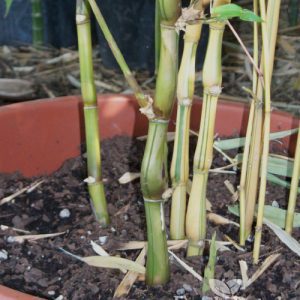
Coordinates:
(140, 96)
(294, 189)
(212, 79)
(180, 159)
(154, 173)
(157, 35)
(267, 67)
(95, 186)
(37, 23)
(256, 138)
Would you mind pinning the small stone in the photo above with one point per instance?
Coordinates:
(187, 287)
(113, 229)
(64, 214)
(3, 254)
(60, 297)
(51, 293)
(275, 204)
(180, 292)
(206, 298)
(82, 237)
(89, 232)
(10, 239)
(126, 217)
(103, 239)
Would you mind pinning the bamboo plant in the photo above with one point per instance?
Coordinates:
(185, 94)
(154, 173)
(95, 183)
(212, 79)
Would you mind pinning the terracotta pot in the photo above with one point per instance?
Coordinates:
(36, 137)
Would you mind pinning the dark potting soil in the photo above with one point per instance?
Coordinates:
(41, 269)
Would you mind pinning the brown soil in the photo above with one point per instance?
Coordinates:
(40, 268)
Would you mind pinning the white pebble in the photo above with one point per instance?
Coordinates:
(275, 204)
(3, 254)
(51, 293)
(89, 232)
(10, 239)
(113, 229)
(65, 213)
(60, 297)
(103, 239)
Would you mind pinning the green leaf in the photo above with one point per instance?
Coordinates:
(8, 4)
(240, 142)
(274, 214)
(281, 182)
(228, 11)
(209, 272)
(280, 166)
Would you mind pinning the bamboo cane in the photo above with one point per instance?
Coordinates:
(294, 189)
(154, 174)
(95, 184)
(272, 19)
(253, 165)
(37, 23)
(180, 159)
(212, 79)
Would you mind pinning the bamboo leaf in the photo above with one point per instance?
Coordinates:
(33, 237)
(113, 262)
(287, 239)
(274, 214)
(235, 143)
(220, 220)
(209, 271)
(228, 11)
(276, 180)
(8, 4)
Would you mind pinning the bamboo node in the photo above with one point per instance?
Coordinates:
(214, 90)
(258, 229)
(199, 244)
(200, 171)
(185, 102)
(148, 109)
(87, 107)
(154, 200)
(188, 14)
(160, 121)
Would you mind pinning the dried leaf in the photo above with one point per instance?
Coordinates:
(28, 189)
(231, 189)
(129, 279)
(234, 285)
(122, 210)
(113, 262)
(135, 245)
(220, 220)
(220, 288)
(33, 237)
(234, 243)
(288, 240)
(244, 273)
(128, 177)
(4, 227)
(98, 249)
(186, 266)
(265, 265)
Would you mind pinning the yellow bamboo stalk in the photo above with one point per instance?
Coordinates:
(294, 189)
(180, 159)
(267, 68)
(212, 79)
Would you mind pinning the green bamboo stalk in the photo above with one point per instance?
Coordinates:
(154, 174)
(294, 189)
(139, 94)
(37, 23)
(212, 79)
(157, 35)
(95, 184)
(253, 165)
(242, 192)
(180, 159)
(274, 6)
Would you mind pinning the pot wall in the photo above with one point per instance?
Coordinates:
(36, 137)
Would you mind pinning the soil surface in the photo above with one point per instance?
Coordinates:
(41, 268)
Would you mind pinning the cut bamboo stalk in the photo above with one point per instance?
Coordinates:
(95, 184)
(212, 79)
(294, 189)
(180, 159)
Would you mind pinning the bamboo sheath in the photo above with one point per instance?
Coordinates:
(212, 79)
(37, 23)
(294, 189)
(95, 184)
(180, 159)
